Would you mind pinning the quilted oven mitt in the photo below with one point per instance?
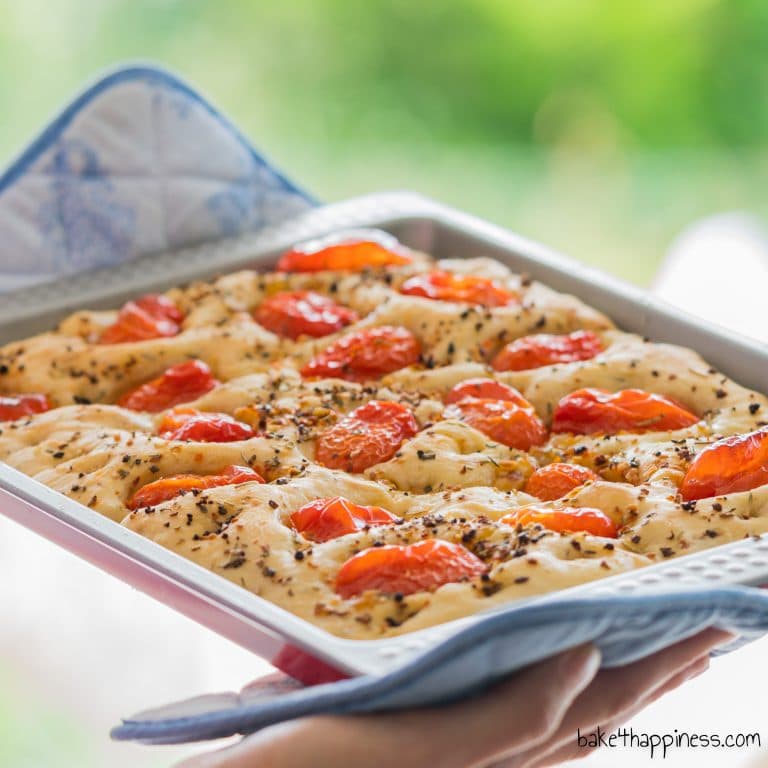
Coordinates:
(140, 163)
(625, 629)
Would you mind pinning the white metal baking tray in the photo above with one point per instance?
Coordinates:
(294, 645)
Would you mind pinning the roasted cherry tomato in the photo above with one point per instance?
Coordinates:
(467, 289)
(16, 406)
(496, 410)
(326, 519)
(366, 436)
(486, 389)
(202, 427)
(598, 411)
(503, 421)
(738, 463)
(366, 355)
(170, 487)
(150, 317)
(547, 349)
(303, 313)
(565, 520)
(351, 252)
(179, 384)
(418, 567)
(555, 480)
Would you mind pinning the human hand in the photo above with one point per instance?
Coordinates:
(527, 721)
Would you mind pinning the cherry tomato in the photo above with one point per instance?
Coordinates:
(556, 479)
(170, 487)
(467, 289)
(565, 520)
(201, 427)
(503, 421)
(351, 252)
(303, 313)
(179, 384)
(366, 355)
(326, 519)
(496, 410)
(366, 436)
(16, 406)
(149, 317)
(738, 463)
(418, 567)
(486, 389)
(546, 349)
(598, 411)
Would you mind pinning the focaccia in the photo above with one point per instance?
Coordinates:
(379, 442)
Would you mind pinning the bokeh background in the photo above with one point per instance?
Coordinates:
(600, 128)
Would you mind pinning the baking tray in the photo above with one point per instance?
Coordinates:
(290, 643)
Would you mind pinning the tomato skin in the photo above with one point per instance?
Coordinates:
(179, 384)
(419, 567)
(303, 313)
(169, 487)
(543, 349)
(565, 520)
(489, 389)
(14, 407)
(738, 463)
(149, 317)
(598, 411)
(557, 479)
(202, 427)
(326, 519)
(503, 421)
(368, 435)
(496, 410)
(352, 252)
(468, 289)
(365, 355)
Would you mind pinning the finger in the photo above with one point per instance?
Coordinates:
(274, 683)
(280, 746)
(517, 713)
(616, 691)
(570, 750)
(521, 710)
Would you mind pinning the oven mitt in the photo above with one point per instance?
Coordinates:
(138, 163)
(624, 628)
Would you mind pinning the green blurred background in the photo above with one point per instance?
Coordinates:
(601, 128)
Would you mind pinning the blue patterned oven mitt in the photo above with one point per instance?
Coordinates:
(140, 163)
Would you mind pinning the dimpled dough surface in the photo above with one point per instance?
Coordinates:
(100, 454)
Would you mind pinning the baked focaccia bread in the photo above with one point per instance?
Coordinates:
(380, 442)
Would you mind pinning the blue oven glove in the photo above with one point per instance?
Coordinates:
(138, 163)
(624, 628)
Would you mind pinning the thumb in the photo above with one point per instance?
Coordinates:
(526, 709)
